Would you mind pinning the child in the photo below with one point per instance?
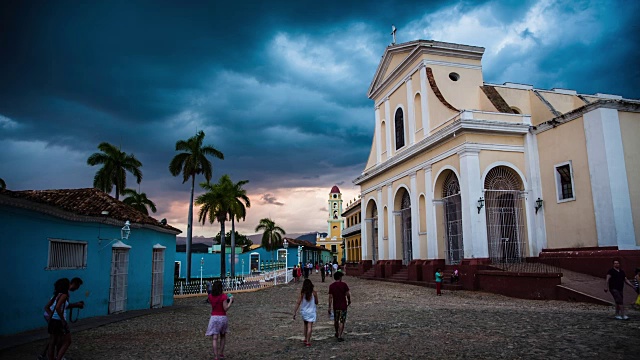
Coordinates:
(438, 281)
(218, 323)
(455, 277)
(309, 300)
(636, 281)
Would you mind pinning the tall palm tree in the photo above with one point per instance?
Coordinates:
(3, 185)
(215, 204)
(138, 201)
(238, 210)
(114, 163)
(190, 162)
(272, 234)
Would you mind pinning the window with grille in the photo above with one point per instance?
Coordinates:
(564, 182)
(66, 254)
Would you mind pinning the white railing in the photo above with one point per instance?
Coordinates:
(239, 283)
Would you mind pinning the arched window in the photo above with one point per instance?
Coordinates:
(399, 121)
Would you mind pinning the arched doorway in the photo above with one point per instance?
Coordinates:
(405, 216)
(504, 206)
(452, 204)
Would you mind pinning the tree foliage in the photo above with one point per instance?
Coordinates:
(115, 163)
(138, 201)
(271, 234)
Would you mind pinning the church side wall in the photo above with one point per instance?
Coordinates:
(563, 103)
(630, 130)
(571, 223)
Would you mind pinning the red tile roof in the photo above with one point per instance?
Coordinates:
(84, 202)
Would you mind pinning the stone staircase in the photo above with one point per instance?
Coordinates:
(402, 276)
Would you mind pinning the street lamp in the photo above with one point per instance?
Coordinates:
(201, 266)
(286, 268)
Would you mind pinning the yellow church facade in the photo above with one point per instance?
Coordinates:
(461, 169)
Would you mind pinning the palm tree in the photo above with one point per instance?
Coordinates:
(3, 185)
(215, 205)
(238, 210)
(191, 162)
(138, 201)
(114, 164)
(272, 234)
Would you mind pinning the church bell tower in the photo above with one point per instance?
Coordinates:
(335, 220)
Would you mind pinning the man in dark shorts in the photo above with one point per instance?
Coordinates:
(340, 298)
(614, 283)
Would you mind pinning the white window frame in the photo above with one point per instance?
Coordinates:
(559, 199)
(83, 255)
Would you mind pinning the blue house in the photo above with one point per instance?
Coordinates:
(124, 257)
(254, 260)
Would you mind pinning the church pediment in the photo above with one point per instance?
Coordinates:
(397, 58)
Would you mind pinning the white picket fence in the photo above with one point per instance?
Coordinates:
(239, 283)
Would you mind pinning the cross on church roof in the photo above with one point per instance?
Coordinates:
(393, 32)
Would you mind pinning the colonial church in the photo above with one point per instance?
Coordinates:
(461, 169)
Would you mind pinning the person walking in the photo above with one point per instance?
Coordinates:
(438, 281)
(309, 300)
(295, 274)
(339, 300)
(323, 272)
(56, 311)
(636, 281)
(218, 322)
(614, 283)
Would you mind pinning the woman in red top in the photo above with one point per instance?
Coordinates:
(218, 323)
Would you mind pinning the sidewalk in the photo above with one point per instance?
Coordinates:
(26, 337)
(594, 287)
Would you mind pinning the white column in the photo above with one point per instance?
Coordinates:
(474, 225)
(380, 224)
(391, 127)
(423, 101)
(379, 136)
(415, 218)
(609, 184)
(364, 231)
(391, 241)
(432, 239)
(410, 111)
(536, 230)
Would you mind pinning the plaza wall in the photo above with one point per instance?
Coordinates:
(29, 284)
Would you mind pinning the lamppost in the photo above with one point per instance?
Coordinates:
(201, 266)
(286, 268)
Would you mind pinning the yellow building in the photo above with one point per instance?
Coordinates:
(351, 233)
(461, 169)
(335, 224)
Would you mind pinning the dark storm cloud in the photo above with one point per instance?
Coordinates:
(278, 87)
(270, 199)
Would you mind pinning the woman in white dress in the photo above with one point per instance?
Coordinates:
(307, 302)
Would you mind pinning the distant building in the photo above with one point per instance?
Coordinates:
(460, 169)
(333, 241)
(50, 234)
(352, 235)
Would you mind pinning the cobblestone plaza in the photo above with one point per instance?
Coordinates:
(385, 321)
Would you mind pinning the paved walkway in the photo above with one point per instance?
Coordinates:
(385, 321)
(594, 286)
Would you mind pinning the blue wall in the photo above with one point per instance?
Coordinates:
(24, 246)
(211, 266)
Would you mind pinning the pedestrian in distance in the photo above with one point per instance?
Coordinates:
(455, 276)
(307, 303)
(323, 272)
(218, 322)
(438, 281)
(295, 274)
(636, 283)
(339, 301)
(335, 267)
(614, 283)
(56, 311)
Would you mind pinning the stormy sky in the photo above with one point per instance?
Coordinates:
(278, 86)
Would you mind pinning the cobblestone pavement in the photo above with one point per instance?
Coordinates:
(386, 321)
